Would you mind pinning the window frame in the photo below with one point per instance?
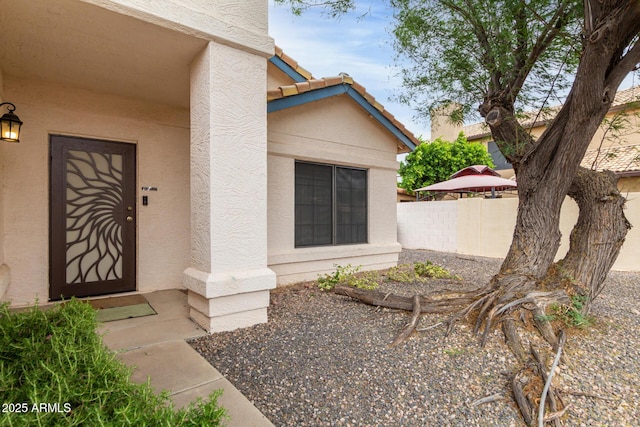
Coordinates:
(334, 205)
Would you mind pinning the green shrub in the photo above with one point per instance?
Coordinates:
(430, 270)
(571, 315)
(55, 371)
(403, 273)
(574, 315)
(349, 276)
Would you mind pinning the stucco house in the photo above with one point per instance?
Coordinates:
(166, 146)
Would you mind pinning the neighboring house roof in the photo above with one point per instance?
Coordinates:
(308, 89)
(624, 161)
(534, 119)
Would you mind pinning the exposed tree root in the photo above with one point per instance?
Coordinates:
(531, 386)
(513, 340)
(547, 384)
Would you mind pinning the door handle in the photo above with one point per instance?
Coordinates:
(129, 218)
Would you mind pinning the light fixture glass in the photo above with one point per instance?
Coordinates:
(10, 124)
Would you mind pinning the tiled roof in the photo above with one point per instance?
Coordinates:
(621, 159)
(535, 119)
(292, 63)
(316, 84)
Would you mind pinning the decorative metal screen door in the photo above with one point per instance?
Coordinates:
(92, 217)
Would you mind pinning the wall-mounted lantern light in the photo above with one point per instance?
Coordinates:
(10, 124)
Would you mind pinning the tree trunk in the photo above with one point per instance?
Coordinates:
(547, 168)
(598, 235)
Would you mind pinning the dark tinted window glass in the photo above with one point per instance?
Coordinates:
(351, 206)
(313, 204)
(498, 159)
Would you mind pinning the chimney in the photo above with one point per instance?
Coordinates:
(441, 124)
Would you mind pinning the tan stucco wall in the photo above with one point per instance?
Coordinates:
(441, 124)
(485, 226)
(162, 138)
(333, 131)
(628, 135)
(249, 14)
(629, 185)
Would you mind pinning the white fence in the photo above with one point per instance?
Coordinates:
(484, 227)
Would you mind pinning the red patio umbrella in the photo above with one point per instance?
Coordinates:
(472, 179)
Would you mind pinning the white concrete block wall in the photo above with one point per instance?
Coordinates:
(484, 227)
(428, 225)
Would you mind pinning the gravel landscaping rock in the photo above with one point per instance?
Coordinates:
(324, 359)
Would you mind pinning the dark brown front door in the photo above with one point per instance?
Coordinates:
(92, 218)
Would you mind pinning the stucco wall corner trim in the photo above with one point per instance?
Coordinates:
(332, 252)
(215, 285)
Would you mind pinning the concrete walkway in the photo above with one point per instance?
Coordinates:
(156, 347)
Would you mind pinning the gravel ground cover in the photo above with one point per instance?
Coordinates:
(324, 359)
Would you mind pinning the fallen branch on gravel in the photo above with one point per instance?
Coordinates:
(441, 303)
(429, 327)
(488, 399)
(412, 324)
(556, 415)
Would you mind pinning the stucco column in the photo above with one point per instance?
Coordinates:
(228, 281)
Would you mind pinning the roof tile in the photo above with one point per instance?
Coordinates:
(332, 81)
(274, 94)
(303, 87)
(317, 84)
(292, 63)
(359, 88)
(616, 159)
(289, 90)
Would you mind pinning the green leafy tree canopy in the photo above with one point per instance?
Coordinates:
(437, 161)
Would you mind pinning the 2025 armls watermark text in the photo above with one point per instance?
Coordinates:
(25, 407)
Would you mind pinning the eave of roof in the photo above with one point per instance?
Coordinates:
(307, 89)
(289, 66)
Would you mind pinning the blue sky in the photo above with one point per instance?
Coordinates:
(360, 47)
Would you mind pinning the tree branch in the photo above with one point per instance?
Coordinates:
(481, 35)
(544, 40)
(627, 64)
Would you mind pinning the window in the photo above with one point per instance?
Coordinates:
(330, 205)
(498, 159)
